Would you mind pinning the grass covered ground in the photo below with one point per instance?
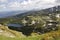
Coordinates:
(54, 35)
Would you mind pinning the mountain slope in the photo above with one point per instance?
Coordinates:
(37, 12)
(46, 12)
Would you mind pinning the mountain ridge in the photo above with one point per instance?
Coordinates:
(44, 11)
(16, 14)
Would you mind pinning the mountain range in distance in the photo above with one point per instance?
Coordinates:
(24, 13)
(10, 13)
(35, 12)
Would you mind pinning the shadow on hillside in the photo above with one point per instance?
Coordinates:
(25, 30)
(28, 30)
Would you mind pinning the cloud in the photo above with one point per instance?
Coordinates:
(14, 5)
(3, 0)
(33, 4)
(2, 6)
(58, 2)
(30, 4)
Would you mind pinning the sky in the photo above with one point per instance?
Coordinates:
(14, 5)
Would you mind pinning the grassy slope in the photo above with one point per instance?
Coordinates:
(54, 35)
(48, 36)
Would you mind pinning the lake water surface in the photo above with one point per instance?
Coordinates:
(15, 25)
